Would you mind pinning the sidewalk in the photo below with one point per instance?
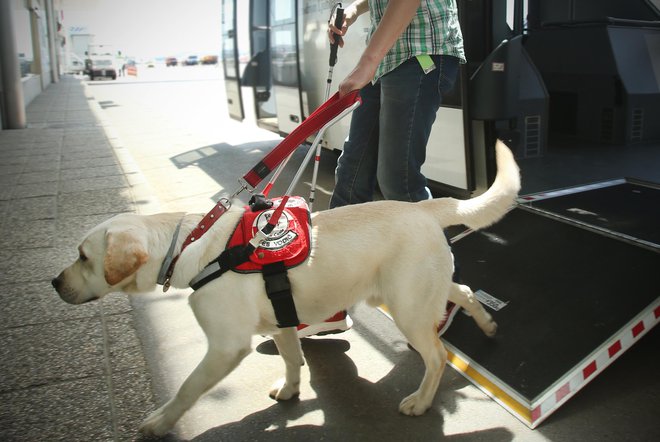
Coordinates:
(94, 372)
(67, 373)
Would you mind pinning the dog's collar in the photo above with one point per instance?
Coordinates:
(167, 266)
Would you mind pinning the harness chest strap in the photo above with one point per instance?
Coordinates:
(275, 277)
(278, 289)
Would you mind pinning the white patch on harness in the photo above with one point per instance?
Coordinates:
(490, 301)
(281, 236)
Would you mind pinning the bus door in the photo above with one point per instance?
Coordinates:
(285, 64)
(230, 60)
(257, 74)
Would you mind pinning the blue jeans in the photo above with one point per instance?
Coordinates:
(389, 132)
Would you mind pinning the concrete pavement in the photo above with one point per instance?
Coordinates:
(66, 373)
(93, 372)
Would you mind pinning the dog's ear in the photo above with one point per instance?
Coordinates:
(124, 254)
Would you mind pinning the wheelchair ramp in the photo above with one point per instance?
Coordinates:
(628, 209)
(575, 278)
(572, 277)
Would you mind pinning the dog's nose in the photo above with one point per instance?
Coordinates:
(56, 283)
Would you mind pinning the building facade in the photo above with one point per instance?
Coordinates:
(32, 43)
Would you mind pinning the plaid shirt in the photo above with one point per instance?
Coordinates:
(434, 30)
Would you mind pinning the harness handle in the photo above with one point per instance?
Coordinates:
(324, 113)
(272, 223)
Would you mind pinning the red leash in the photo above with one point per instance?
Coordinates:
(326, 112)
(319, 118)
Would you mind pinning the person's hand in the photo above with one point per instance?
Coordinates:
(350, 15)
(360, 76)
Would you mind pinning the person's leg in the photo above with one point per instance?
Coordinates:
(355, 176)
(409, 102)
(355, 182)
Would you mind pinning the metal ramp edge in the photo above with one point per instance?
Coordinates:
(534, 413)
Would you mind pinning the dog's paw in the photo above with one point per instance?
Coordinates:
(157, 424)
(490, 328)
(413, 405)
(281, 391)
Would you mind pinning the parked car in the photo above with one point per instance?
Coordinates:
(171, 61)
(101, 67)
(192, 60)
(210, 59)
(130, 68)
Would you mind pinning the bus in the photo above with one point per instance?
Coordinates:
(521, 75)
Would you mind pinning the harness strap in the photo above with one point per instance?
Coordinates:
(228, 259)
(278, 289)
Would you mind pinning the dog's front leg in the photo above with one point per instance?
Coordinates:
(288, 344)
(217, 364)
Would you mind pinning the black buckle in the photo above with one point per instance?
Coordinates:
(259, 202)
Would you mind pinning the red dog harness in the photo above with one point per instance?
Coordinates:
(271, 237)
(289, 241)
(278, 245)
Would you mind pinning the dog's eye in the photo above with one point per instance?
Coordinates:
(82, 257)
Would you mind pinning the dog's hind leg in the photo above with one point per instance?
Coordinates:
(463, 296)
(217, 364)
(433, 352)
(288, 344)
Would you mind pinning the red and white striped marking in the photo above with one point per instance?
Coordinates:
(596, 363)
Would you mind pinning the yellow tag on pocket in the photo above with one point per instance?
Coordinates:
(426, 62)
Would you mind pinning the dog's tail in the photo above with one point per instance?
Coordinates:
(486, 209)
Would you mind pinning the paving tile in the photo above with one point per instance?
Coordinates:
(90, 202)
(93, 150)
(37, 303)
(53, 144)
(116, 303)
(92, 143)
(22, 209)
(41, 157)
(6, 193)
(124, 347)
(78, 410)
(38, 177)
(134, 401)
(9, 170)
(82, 163)
(35, 189)
(43, 354)
(102, 182)
(41, 165)
(30, 265)
(90, 172)
(31, 234)
(4, 209)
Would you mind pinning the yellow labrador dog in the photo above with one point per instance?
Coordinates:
(384, 252)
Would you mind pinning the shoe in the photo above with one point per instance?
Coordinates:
(450, 312)
(338, 323)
